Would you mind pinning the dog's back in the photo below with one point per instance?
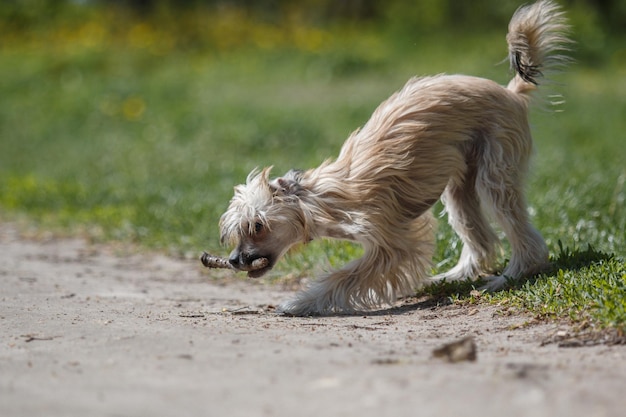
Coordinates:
(456, 110)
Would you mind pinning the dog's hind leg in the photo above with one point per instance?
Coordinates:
(469, 222)
(501, 187)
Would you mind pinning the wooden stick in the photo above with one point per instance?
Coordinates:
(212, 261)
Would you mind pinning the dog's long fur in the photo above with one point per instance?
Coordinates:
(463, 139)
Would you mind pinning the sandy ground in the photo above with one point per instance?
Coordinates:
(87, 331)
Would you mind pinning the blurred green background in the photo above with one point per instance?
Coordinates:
(133, 120)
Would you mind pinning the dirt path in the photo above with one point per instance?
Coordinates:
(85, 332)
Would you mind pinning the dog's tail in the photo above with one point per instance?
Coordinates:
(537, 39)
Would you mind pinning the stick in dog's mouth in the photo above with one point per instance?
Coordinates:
(212, 261)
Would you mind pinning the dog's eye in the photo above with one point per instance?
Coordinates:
(258, 226)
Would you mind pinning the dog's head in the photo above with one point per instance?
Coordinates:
(264, 219)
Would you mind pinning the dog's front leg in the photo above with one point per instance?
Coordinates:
(394, 268)
(337, 291)
(323, 296)
(369, 282)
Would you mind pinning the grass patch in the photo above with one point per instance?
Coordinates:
(114, 137)
(585, 287)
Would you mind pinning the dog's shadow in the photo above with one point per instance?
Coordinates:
(444, 293)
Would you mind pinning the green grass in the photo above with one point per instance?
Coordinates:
(120, 142)
(585, 287)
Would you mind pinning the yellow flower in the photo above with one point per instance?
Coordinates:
(133, 108)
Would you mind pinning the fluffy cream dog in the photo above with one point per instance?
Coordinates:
(463, 139)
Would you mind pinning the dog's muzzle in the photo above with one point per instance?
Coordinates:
(255, 265)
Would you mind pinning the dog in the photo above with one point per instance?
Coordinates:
(462, 139)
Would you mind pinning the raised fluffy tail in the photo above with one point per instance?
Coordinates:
(537, 38)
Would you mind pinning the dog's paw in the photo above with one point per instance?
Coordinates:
(495, 283)
(459, 272)
(296, 308)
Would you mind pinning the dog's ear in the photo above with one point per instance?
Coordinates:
(288, 184)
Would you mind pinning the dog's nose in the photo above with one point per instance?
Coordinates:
(234, 261)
